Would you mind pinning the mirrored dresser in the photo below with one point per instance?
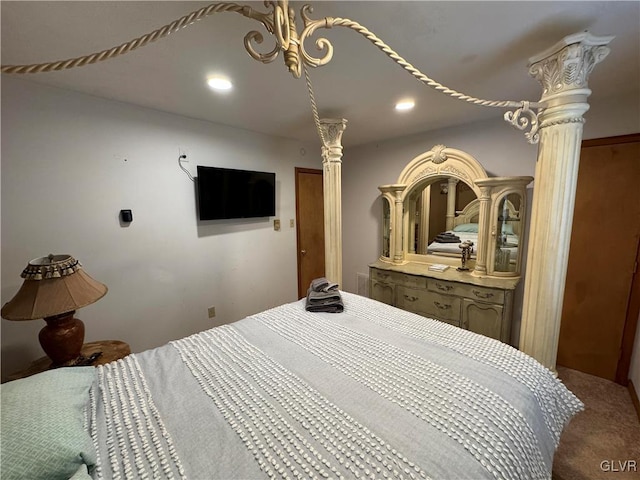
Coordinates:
(445, 205)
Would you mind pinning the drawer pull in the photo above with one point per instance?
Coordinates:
(384, 276)
(444, 288)
(410, 298)
(482, 295)
(442, 306)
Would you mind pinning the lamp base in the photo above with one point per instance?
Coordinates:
(62, 338)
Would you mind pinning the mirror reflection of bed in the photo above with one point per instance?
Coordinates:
(465, 227)
(431, 210)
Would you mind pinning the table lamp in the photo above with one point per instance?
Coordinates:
(54, 288)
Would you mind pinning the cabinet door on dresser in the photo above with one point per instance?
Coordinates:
(382, 291)
(484, 318)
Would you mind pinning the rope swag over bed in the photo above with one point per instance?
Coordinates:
(556, 126)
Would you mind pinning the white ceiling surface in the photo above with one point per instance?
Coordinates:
(478, 48)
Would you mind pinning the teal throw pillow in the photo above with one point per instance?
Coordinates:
(507, 228)
(466, 228)
(42, 434)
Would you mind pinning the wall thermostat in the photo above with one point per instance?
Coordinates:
(126, 216)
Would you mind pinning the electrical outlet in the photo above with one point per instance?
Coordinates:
(212, 312)
(276, 224)
(292, 223)
(183, 151)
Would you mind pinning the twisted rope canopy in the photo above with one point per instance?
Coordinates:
(281, 23)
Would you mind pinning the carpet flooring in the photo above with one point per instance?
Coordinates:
(599, 442)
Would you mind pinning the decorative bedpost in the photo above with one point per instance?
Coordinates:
(563, 71)
(332, 183)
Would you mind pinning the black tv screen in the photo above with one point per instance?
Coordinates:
(227, 193)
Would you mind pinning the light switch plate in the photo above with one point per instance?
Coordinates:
(276, 224)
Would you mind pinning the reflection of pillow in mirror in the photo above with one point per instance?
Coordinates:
(507, 228)
(466, 227)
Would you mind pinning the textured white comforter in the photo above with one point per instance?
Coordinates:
(374, 392)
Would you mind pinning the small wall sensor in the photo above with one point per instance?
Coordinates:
(126, 216)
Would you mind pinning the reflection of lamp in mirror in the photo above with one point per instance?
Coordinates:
(505, 210)
(467, 248)
(54, 288)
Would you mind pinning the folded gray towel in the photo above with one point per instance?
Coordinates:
(315, 297)
(330, 301)
(447, 237)
(322, 285)
(332, 308)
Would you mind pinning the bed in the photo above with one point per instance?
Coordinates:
(373, 392)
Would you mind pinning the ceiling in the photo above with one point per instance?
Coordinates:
(478, 48)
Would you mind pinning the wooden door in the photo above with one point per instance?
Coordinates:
(602, 260)
(310, 230)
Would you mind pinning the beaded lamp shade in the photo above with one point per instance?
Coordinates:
(53, 288)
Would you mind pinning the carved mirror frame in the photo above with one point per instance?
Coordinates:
(454, 165)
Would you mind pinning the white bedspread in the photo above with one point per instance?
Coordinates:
(373, 392)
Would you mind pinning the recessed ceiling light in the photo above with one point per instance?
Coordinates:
(405, 105)
(219, 83)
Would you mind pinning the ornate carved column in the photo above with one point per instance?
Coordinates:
(484, 215)
(413, 208)
(332, 183)
(563, 71)
(425, 212)
(398, 254)
(451, 202)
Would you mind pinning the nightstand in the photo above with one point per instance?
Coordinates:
(111, 350)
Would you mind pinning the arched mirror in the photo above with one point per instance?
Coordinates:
(444, 199)
(433, 211)
(508, 208)
(508, 234)
(386, 227)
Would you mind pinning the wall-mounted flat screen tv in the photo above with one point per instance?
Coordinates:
(228, 193)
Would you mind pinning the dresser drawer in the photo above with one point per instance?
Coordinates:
(429, 304)
(398, 278)
(442, 286)
(482, 294)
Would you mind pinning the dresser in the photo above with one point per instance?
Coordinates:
(481, 305)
